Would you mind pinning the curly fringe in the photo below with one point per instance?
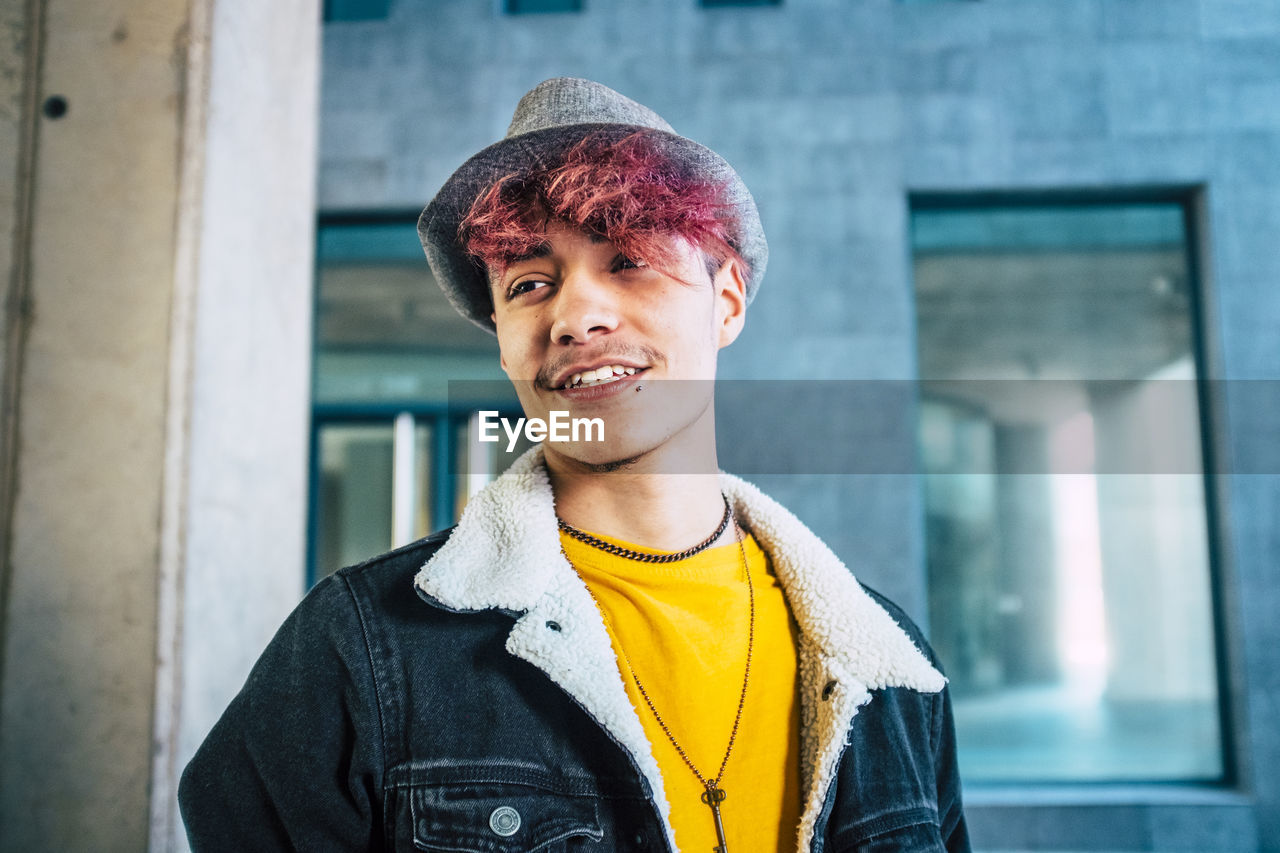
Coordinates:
(628, 191)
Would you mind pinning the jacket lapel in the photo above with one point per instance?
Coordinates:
(505, 554)
(849, 645)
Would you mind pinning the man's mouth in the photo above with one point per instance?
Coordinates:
(600, 376)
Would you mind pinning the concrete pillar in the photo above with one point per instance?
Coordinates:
(155, 393)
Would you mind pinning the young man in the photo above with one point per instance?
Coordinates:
(618, 647)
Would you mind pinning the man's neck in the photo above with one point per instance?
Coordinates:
(669, 500)
(661, 512)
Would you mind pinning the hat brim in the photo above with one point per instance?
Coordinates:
(464, 281)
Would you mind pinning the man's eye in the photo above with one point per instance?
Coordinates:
(527, 285)
(622, 262)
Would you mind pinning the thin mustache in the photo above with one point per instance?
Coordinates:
(640, 352)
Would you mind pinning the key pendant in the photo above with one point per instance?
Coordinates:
(713, 797)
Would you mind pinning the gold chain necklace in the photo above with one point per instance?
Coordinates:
(713, 795)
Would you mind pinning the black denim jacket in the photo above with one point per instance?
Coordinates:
(381, 719)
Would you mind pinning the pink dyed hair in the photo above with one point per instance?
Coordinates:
(628, 191)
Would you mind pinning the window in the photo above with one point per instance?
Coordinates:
(398, 376)
(374, 489)
(529, 7)
(356, 10)
(1067, 524)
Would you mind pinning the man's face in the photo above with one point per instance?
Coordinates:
(583, 329)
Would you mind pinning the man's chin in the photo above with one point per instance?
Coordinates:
(613, 466)
(598, 458)
(595, 458)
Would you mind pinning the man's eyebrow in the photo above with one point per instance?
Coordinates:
(541, 250)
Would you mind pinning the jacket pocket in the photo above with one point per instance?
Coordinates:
(908, 831)
(499, 818)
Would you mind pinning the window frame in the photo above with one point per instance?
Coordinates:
(444, 421)
(506, 7)
(381, 14)
(1213, 436)
(740, 4)
(442, 417)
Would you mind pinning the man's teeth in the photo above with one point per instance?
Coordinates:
(599, 376)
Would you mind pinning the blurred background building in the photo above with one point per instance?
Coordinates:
(1034, 242)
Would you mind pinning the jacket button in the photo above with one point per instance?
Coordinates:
(504, 821)
(828, 690)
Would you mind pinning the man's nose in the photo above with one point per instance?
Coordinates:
(585, 306)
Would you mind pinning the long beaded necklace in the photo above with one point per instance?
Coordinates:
(713, 795)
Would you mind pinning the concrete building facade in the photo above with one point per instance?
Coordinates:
(839, 116)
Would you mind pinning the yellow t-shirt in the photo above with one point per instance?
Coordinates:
(682, 628)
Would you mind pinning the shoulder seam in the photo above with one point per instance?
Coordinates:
(435, 539)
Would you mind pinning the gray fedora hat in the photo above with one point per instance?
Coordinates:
(550, 118)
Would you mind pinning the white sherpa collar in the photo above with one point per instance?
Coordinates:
(505, 553)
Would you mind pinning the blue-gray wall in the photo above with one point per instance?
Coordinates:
(834, 111)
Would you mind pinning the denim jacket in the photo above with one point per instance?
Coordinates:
(381, 719)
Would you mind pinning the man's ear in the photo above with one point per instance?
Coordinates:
(731, 301)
